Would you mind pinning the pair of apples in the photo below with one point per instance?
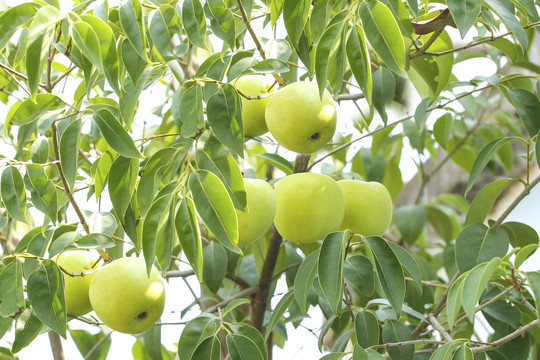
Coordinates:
(297, 117)
(122, 294)
(305, 207)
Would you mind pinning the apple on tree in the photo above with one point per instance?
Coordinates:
(253, 109)
(261, 201)
(299, 119)
(309, 206)
(368, 207)
(76, 287)
(125, 297)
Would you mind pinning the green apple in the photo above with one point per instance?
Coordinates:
(309, 206)
(261, 202)
(368, 207)
(299, 119)
(253, 109)
(76, 287)
(125, 298)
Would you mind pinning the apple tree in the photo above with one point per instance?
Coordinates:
(129, 131)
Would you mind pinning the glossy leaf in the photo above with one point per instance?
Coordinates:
(254, 335)
(394, 331)
(162, 27)
(221, 21)
(45, 290)
(527, 106)
(214, 266)
(278, 161)
(187, 109)
(446, 351)
(524, 254)
(208, 349)
(484, 156)
(11, 283)
(102, 172)
(474, 285)
(367, 329)
(464, 13)
(510, 21)
(477, 244)
(27, 328)
(295, 14)
(520, 234)
(189, 235)
(87, 40)
(359, 274)
(69, 150)
(32, 108)
(383, 34)
(330, 268)
(93, 241)
(115, 134)
(243, 348)
(13, 18)
(42, 190)
(410, 222)
(304, 279)
(195, 332)
(359, 60)
(534, 282)
(484, 200)
(389, 272)
(194, 22)
(409, 264)
(325, 46)
(86, 341)
(130, 14)
(278, 311)
(13, 193)
(121, 182)
(224, 110)
(215, 208)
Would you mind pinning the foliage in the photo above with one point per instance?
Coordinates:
(167, 173)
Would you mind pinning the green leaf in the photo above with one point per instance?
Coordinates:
(14, 17)
(194, 22)
(509, 20)
(410, 221)
(442, 129)
(107, 46)
(189, 235)
(524, 254)
(278, 161)
(187, 109)
(5, 325)
(389, 272)
(477, 244)
(39, 39)
(135, 66)
(409, 264)
(234, 304)
(87, 40)
(271, 66)
(359, 353)
(483, 158)
(295, 14)
(484, 200)
(42, 190)
(330, 268)
(367, 328)
(13, 193)
(358, 272)
(115, 134)
(221, 21)
(465, 13)
(446, 352)
(32, 109)
(528, 107)
(215, 208)
(225, 167)
(359, 60)
(224, 110)
(534, 282)
(12, 295)
(121, 182)
(278, 311)
(520, 234)
(243, 348)
(130, 14)
(162, 27)
(463, 353)
(27, 327)
(384, 88)
(195, 332)
(394, 331)
(45, 290)
(102, 173)
(322, 54)
(253, 334)
(86, 341)
(214, 266)
(39, 151)
(209, 349)
(93, 241)
(383, 34)
(151, 224)
(69, 150)
(304, 279)
(474, 284)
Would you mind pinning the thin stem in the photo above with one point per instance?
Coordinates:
(409, 342)
(244, 293)
(432, 39)
(437, 326)
(56, 346)
(178, 273)
(515, 203)
(505, 339)
(55, 82)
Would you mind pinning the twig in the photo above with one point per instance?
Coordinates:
(431, 40)
(505, 339)
(68, 71)
(178, 273)
(356, 96)
(244, 293)
(428, 283)
(409, 342)
(437, 326)
(515, 203)
(285, 269)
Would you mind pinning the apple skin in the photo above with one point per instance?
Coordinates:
(368, 207)
(253, 109)
(261, 201)
(299, 120)
(125, 298)
(309, 206)
(76, 287)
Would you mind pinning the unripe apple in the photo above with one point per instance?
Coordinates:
(253, 109)
(309, 206)
(125, 298)
(368, 207)
(261, 201)
(76, 287)
(299, 119)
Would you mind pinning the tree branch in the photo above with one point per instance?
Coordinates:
(505, 339)
(437, 326)
(515, 203)
(56, 346)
